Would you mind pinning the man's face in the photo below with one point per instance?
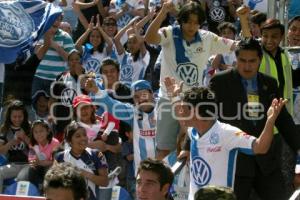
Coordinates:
(111, 74)
(190, 27)
(143, 99)
(294, 33)
(148, 186)
(248, 63)
(59, 194)
(271, 39)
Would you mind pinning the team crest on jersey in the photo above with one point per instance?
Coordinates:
(188, 72)
(92, 65)
(126, 72)
(201, 172)
(67, 96)
(214, 138)
(15, 24)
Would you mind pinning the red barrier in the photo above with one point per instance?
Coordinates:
(10, 197)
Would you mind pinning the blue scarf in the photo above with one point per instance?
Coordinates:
(179, 47)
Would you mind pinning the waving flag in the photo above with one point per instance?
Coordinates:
(22, 24)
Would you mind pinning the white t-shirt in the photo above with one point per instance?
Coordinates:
(213, 155)
(198, 53)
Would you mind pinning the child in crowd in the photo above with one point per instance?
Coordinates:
(40, 158)
(92, 163)
(14, 140)
(99, 46)
(134, 62)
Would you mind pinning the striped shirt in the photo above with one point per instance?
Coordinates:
(53, 64)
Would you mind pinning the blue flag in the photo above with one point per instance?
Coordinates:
(22, 24)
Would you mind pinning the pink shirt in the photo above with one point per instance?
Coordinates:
(45, 152)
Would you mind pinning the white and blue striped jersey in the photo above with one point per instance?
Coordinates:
(144, 132)
(213, 155)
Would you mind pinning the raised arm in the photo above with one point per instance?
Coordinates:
(117, 38)
(83, 5)
(263, 143)
(80, 16)
(84, 36)
(243, 13)
(152, 36)
(107, 39)
(119, 110)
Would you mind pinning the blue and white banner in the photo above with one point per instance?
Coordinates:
(22, 23)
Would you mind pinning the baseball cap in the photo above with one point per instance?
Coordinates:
(141, 85)
(84, 99)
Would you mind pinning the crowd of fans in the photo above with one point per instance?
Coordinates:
(102, 90)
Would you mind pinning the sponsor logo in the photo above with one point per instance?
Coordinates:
(214, 149)
(67, 96)
(188, 72)
(15, 24)
(92, 65)
(201, 171)
(147, 133)
(217, 14)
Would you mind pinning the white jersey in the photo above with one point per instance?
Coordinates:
(144, 133)
(131, 71)
(188, 70)
(213, 155)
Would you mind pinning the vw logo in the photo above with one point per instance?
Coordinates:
(201, 171)
(92, 65)
(126, 73)
(67, 96)
(188, 72)
(217, 14)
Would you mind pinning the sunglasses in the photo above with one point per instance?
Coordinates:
(109, 24)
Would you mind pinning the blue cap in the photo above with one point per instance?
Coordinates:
(141, 85)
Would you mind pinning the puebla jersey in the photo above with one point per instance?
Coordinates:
(89, 161)
(143, 137)
(213, 155)
(186, 61)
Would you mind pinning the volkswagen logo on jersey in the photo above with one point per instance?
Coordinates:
(201, 171)
(126, 73)
(15, 24)
(92, 65)
(214, 138)
(217, 14)
(188, 72)
(67, 96)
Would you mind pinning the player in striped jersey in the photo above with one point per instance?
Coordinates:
(140, 116)
(214, 145)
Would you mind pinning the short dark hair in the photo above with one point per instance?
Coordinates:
(211, 192)
(44, 124)
(188, 9)
(296, 18)
(202, 98)
(258, 18)
(164, 173)
(110, 61)
(250, 44)
(225, 25)
(272, 23)
(66, 176)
